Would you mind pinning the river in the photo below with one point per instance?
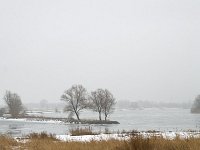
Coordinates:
(162, 119)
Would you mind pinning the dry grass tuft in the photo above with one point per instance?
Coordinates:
(6, 142)
(82, 131)
(42, 135)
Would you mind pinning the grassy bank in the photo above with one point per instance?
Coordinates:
(49, 142)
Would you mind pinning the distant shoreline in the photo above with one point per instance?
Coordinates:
(66, 120)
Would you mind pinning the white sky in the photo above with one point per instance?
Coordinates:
(138, 49)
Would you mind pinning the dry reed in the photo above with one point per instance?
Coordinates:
(45, 142)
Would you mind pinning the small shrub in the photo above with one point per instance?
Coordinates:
(107, 131)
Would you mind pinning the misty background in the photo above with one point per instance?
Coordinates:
(138, 49)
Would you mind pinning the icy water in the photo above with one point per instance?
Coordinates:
(165, 119)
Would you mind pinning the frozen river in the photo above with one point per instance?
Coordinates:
(166, 119)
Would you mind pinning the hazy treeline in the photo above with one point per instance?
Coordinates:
(196, 105)
(152, 104)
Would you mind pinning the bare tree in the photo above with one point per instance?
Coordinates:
(97, 99)
(109, 102)
(14, 103)
(102, 101)
(76, 98)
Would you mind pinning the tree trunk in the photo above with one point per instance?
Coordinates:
(100, 116)
(77, 116)
(105, 117)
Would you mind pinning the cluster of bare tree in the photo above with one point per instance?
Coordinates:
(14, 104)
(77, 98)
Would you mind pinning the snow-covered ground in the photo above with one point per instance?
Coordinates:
(105, 137)
(87, 138)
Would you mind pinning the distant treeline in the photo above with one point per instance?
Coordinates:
(151, 104)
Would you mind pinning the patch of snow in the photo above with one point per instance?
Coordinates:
(87, 138)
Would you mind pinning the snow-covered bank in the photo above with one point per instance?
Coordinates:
(100, 137)
(59, 120)
(31, 120)
(172, 135)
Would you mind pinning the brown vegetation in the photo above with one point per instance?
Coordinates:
(82, 131)
(7, 142)
(47, 142)
(42, 135)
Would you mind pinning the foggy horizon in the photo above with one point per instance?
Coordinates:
(139, 50)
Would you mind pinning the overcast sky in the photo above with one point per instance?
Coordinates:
(138, 49)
